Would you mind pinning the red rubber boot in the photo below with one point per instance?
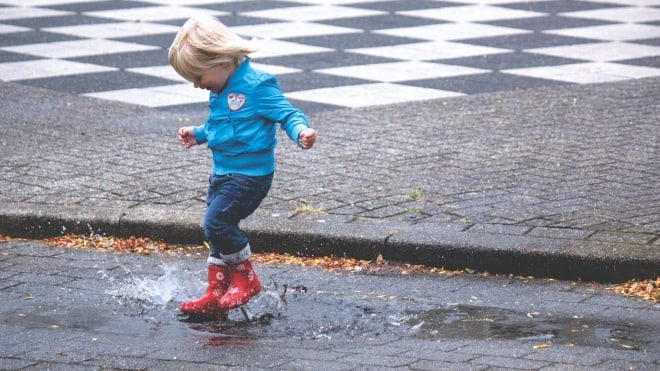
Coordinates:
(243, 285)
(207, 305)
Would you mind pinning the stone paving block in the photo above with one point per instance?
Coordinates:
(377, 360)
(440, 365)
(508, 362)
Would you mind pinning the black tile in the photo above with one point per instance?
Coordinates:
(241, 20)
(506, 61)
(7, 57)
(558, 6)
(484, 83)
(403, 5)
(380, 22)
(652, 41)
(645, 62)
(95, 82)
(311, 80)
(527, 41)
(160, 40)
(330, 59)
(95, 6)
(145, 58)
(57, 21)
(238, 7)
(33, 37)
(352, 40)
(550, 22)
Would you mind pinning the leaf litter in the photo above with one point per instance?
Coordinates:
(648, 289)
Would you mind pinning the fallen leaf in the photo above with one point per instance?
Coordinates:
(541, 346)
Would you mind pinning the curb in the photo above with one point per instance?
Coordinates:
(444, 245)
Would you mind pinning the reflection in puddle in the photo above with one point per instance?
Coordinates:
(471, 322)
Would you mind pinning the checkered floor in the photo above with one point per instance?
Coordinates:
(334, 53)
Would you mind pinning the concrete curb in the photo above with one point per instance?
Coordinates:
(446, 245)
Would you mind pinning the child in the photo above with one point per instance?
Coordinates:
(245, 106)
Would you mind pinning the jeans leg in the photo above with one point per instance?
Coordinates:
(230, 199)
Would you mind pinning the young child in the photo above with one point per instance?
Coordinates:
(245, 106)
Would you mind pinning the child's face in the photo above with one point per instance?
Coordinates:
(214, 78)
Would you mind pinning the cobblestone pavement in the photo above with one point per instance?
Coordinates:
(555, 182)
(535, 171)
(65, 309)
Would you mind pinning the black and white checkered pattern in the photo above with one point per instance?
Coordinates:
(334, 53)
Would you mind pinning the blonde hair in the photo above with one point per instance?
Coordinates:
(204, 42)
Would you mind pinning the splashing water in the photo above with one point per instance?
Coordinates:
(173, 285)
(176, 285)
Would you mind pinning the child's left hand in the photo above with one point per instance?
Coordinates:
(306, 138)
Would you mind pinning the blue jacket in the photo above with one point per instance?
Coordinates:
(241, 126)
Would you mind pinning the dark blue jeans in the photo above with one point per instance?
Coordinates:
(230, 199)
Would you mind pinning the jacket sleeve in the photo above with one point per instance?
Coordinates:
(200, 134)
(274, 106)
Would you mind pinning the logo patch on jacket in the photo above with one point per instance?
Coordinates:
(235, 101)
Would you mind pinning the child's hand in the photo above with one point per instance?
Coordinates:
(186, 136)
(306, 138)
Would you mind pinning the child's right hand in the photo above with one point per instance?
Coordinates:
(186, 136)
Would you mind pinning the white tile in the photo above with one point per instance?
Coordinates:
(77, 48)
(280, 30)
(113, 30)
(613, 32)
(155, 13)
(451, 31)
(429, 50)
(159, 96)
(312, 13)
(600, 52)
(627, 14)
(472, 13)
(273, 69)
(370, 95)
(37, 3)
(627, 2)
(163, 72)
(587, 73)
(401, 71)
(46, 68)
(23, 12)
(277, 48)
(5, 28)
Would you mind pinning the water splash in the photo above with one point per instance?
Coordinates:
(174, 285)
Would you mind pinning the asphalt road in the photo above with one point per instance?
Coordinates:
(84, 309)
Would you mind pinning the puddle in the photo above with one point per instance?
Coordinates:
(472, 322)
(276, 312)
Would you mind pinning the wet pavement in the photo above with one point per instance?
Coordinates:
(558, 182)
(68, 309)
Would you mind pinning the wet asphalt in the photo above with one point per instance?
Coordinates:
(71, 309)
